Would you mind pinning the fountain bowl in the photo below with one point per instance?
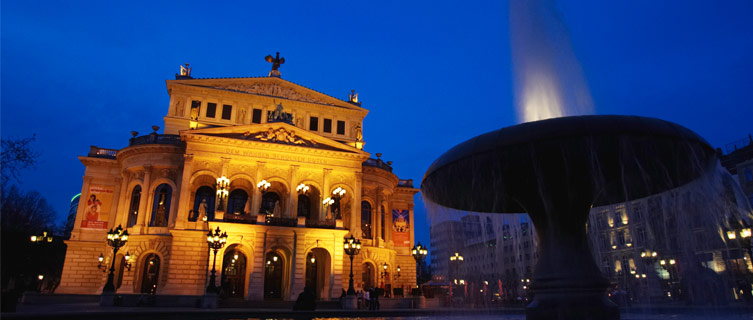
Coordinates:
(556, 170)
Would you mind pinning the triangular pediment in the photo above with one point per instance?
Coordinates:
(269, 87)
(274, 133)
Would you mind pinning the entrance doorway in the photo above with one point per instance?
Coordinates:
(150, 276)
(233, 283)
(318, 267)
(367, 275)
(273, 271)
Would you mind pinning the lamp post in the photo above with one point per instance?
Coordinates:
(115, 239)
(216, 241)
(352, 247)
(455, 261)
(384, 275)
(649, 258)
(669, 265)
(222, 191)
(419, 253)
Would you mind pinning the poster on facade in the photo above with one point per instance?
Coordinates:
(97, 207)
(401, 228)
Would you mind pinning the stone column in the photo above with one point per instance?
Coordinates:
(184, 200)
(75, 234)
(121, 212)
(388, 221)
(376, 218)
(146, 194)
(222, 202)
(256, 199)
(114, 206)
(293, 195)
(355, 211)
(326, 192)
(412, 226)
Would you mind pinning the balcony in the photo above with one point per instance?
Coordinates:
(155, 138)
(326, 224)
(282, 222)
(106, 153)
(405, 183)
(378, 163)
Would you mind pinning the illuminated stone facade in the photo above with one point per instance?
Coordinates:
(247, 130)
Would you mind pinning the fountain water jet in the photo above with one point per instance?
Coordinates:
(548, 79)
(556, 170)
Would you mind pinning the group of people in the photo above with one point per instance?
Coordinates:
(368, 299)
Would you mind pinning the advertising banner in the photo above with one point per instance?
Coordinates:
(97, 207)
(401, 228)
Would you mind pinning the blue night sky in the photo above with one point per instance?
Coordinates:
(432, 74)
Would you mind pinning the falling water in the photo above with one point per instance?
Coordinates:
(548, 79)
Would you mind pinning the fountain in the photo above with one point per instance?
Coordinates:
(556, 170)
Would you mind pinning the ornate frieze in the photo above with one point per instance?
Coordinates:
(275, 90)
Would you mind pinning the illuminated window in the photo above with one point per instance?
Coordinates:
(314, 123)
(211, 110)
(133, 211)
(366, 219)
(161, 208)
(227, 110)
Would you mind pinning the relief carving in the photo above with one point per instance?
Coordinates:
(279, 135)
(274, 90)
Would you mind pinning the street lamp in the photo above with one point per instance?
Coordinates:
(216, 241)
(115, 239)
(384, 274)
(44, 237)
(397, 275)
(222, 191)
(419, 253)
(352, 247)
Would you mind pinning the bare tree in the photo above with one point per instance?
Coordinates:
(16, 156)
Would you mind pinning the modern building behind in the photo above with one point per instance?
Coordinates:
(278, 166)
(686, 228)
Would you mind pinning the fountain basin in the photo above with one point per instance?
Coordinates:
(556, 170)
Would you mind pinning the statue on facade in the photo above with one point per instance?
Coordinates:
(276, 211)
(359, 132)
(202, 211)
(353, 96)
(241, 116)
(275, 61)
(179, 108)
(185, 71)
(194, 113)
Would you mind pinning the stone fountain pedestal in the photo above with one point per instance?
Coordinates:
(556, 170)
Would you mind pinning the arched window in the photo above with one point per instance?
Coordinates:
(161, 208)
(150, 274)
(304, 205)
(203, 204)
(268, 202)
(366, 219)
(382, 219)
(236, 203)
(133, 210)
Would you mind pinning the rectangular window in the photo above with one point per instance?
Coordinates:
(328, 125)
(314, 123)
(211, 110)
(256, 118)
(340, 127)
(227, 110)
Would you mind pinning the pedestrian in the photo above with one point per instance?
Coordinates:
(367, 299)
